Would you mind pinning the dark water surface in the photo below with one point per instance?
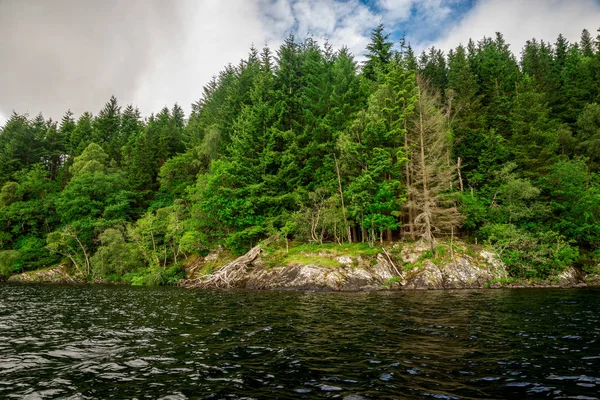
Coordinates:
(101, 342)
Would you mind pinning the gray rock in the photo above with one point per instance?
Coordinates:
(428, 276)
(345, 260)
(464, 274)
(570, 277)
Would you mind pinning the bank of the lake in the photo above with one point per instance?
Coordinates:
(350, 267)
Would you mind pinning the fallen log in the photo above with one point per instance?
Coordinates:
(226, 276)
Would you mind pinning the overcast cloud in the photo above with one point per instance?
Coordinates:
(520, 20)
(75, 54)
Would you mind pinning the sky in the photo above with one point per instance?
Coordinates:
(74, 54)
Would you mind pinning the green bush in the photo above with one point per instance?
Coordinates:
(157, 277)
(7, 263)
(115, 257)
(527, 254)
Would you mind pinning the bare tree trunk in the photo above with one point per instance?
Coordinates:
(337, 168)
(452, 244)
(426, 215)
(411, 215)
(458, 164)
(85, 255)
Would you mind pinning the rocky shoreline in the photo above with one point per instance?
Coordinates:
(410, 267)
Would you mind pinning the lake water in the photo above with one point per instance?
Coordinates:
(101, 342)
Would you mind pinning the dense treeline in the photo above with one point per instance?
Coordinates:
(307, 145)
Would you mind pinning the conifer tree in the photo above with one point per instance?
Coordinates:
(434, 174)
(379, 55)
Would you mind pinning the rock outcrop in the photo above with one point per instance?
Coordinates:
(49, 275)
(356, 273)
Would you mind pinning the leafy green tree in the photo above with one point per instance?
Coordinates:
(67, 243)
(497, 70)
(372, 153)
(433, 69)
(588, 134)
(92, 160)
(54, 144)
(9, 194)
(537, 62)
(7, 262)
(574, 197)
(157, 236)
(115, 257)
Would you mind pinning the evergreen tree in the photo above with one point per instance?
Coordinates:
(107, 129)
(379, 55)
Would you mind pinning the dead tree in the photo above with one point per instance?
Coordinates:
(431, 199)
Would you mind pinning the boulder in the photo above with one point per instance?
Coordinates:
(571, 277)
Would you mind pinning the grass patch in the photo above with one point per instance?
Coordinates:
(311, 259)
(277, 255)
(224, 258)
(333, 249)
(388, 283)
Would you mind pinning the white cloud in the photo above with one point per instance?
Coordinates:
(277, 17)
(208, 42)
(343, 23)
(520, 21)
(395, 10)
(64, 54)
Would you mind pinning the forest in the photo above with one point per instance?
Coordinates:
(306, 145)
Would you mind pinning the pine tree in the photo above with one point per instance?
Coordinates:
(107, 129)
(55, 144)
(434, 174)
(379, 55)
(82, 135)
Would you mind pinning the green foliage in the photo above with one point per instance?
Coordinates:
(299, 144)
(574, 198)
(392, 281)
(9, 194)
(115, 256)
(7, 263)
(158, 236)
(69, 242)
(32, 254)
(156, 277)
(92, 160)
(530, 254)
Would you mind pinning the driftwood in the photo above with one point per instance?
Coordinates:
(227, 275)
(391, 262)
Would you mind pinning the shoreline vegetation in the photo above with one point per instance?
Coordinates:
(350, 267)
(475, 168)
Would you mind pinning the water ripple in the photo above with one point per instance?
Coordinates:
(102, 342)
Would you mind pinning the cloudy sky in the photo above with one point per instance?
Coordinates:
(74, 54)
